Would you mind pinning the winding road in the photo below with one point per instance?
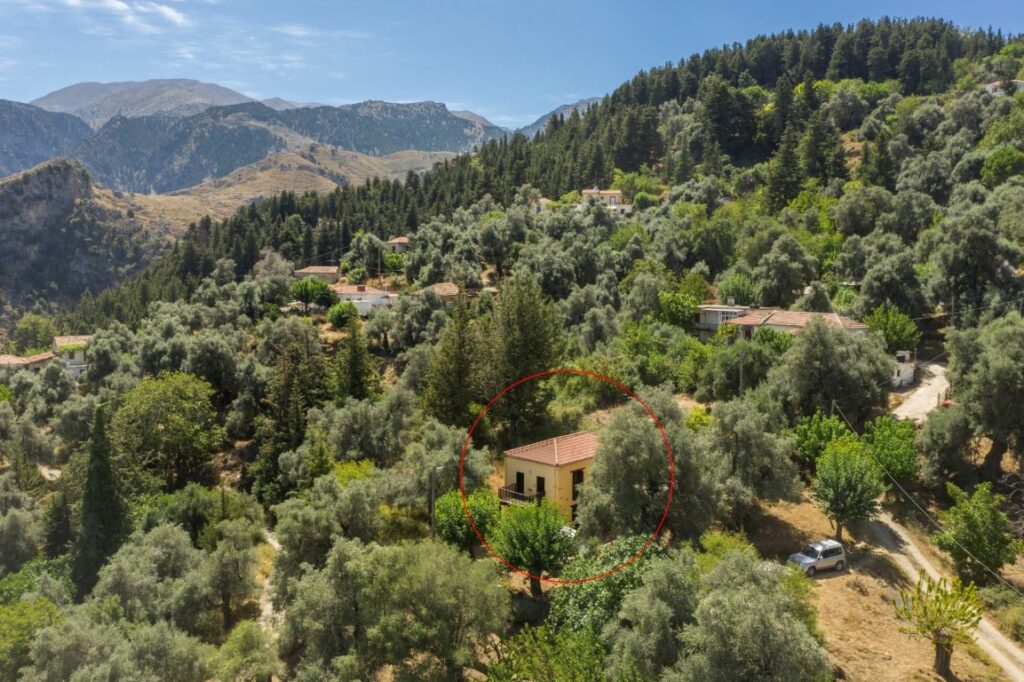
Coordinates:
(896, 540)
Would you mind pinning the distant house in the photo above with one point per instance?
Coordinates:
(711, 316)
(903, 372)
(364, 298)
(398, 244)
(539, 205)
(71, 351)
(448, 291)
(611, 198)
(328, 273)
(791, 321)
(553, 469)
(32, 363)
(996, 89)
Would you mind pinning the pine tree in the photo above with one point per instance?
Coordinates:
(452, 378)
(783, 109)
(877, 165)
(784, 178)
(354, 369)
(104, 516)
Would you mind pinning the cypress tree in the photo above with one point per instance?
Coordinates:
(452, 378)
(877, 165)
(784, 178)
(353, 364)
(104, 523)
(57, 532)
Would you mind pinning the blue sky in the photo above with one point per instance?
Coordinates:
(509, 60)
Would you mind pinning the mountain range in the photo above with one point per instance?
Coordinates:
(164, 136)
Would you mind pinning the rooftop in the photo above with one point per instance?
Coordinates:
(17, 361)
(62, 341)
(318, 270)
(558, 451)
(794, 318)
(442, 289)
(399, 240)
(357, 290)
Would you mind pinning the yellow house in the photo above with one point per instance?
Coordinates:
(552, 468)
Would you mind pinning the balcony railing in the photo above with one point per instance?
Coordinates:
(509, 495)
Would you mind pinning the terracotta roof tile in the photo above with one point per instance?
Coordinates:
(794, 318)
(16, 361)
(357, 290)
(399, 240)
(442, 289)
(80, 340)
(558, 451)
(318, 270)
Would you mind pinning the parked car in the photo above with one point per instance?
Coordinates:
(819, 556)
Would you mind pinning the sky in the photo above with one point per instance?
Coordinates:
(509, 60)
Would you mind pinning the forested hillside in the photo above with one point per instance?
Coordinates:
(252, 481)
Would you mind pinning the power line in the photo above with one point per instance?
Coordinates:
(923, 511)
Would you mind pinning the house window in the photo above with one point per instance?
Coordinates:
(540, 486)
(577, 481)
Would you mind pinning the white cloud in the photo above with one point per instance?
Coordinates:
(168, 13)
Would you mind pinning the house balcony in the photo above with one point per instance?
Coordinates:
(509, 495)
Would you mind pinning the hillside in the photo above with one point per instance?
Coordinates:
(163, 153)
(97, 103)
(565, 110)
(61, 239)
(30, 135)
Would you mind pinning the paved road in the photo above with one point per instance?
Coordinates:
(895, 539)
(921, 400)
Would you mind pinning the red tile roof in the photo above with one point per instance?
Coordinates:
(356, 290)
(442, 289)
(399, 240)
(16, 361)
(81, 340)
(558, 451)
(318, 270)
(793, 318)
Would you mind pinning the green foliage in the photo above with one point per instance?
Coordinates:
(5, 394)
(739, 288)
(546, 654)
(454, 376)
(19, 622)
(847, 484)
(532, 538)
(33, 334)
(197, 510)
(313, 290)
(815, 432)
(341, 314)
(1002, 164)
(103, 522)
(977, 533)
(166, 431)
(451, 522)
(347, 472)
(943, 612)
(892, 446)
(945, 441)
(355, 369)
(247, 655)
(587, 606)
(899, 331)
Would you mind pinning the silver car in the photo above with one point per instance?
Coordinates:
(819, 556)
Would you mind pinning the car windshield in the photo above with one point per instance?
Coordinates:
(809, 551)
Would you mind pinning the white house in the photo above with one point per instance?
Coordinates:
(398, 244)
(711, 316)
(996, 89)
(903, 373)
(611, 198)
(364, 298)
(71, 351)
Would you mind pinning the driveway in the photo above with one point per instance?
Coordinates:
(919, 401)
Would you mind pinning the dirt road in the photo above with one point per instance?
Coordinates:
(925, 397)
(894, 538)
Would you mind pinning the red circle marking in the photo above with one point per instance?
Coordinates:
(668, 451)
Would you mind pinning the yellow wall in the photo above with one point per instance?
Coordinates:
(557, 480)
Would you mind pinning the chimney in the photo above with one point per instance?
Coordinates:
(731, 301)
